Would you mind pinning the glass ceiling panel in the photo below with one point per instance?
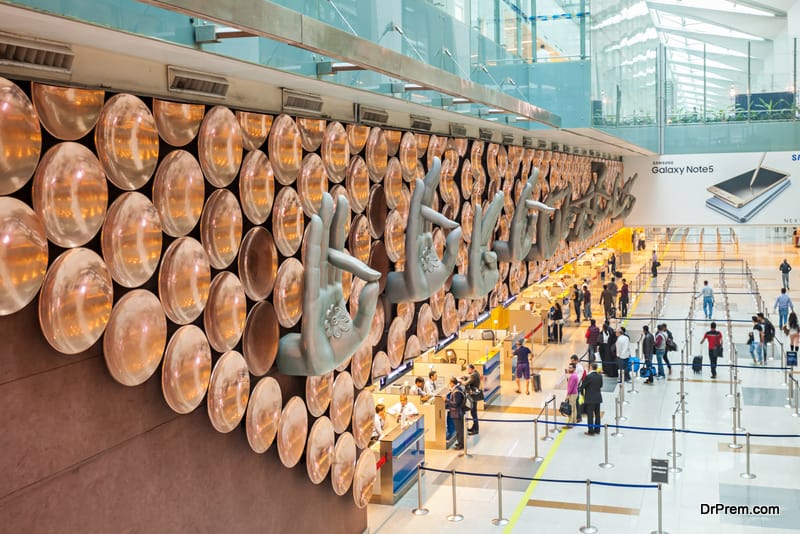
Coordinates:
(679, 56)
(718, 5)
(680, 41)
(668, 21)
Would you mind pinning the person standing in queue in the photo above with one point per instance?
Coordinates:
(607, 302)
(785, 268)
(558, 322)
(577, 299)
(523, 370)
(572, 394)
(623, 345)
(648, 349)
(624, 295)
(714, 338)
(456, 404)
(654, 264)
(587, 303)
(592, 339)
(592, 387)
(472, 386)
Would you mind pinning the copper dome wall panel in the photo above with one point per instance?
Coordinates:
(221, 228)
(319, 451)
(344, 463)
(256, 187)
(131, 239)
(127, 141)
(312, 183)
(178, 123)
(68, 113)
(184, 278)
(228, 392)
(226, 312)
(287, 221)
(20, 137)
(285, 149)
(263, 414)
(288, 292)
(258, 263)
(319, 392)
(23, 249)
(311, 133)
(260, 338)
(255, 128)
(179, 193)
(377, 155)
(336, 151)
(357, 137)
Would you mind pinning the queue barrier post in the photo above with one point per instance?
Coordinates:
(547, 436)
(465, 453)
(790, 398)
(622, 390)
(747, 474)
(660, 514)
(588, 528)
(536, 457)
(419, 510)
(734, 445)
(674, 453)
(606, 464)
(738, 407)
(618, 412)
(500, 521)
(796, 400)
(455, 516)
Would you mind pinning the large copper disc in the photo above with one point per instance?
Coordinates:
(260, 338)
(228, 392)
(221, 228)
(135, 337)
(357, 137)
(427, 332)
(255, 128)
(376, 211)
(408, 156)
(380, 365)
(344, 463)
(263, 414)
(288, 297)
(312, 184)
(413, 348)
(396, 343)
(285, 149)
(336, 151)
(68, 113)
(392, 141)
(377, 154)
(363, 418)
(186, 370)
(75, 302)
(23, 255)
(70, 194)
(405, 311)
(357, 184)
(177, 123)
(20, 137)
(179, 193)
(376, 328)
(219, 146)
(183, 280)
(449, 315)
(319, 452)
(395, 235)
(256, 186)
(258, 263)
(127, 141)
(311, 133)
(287, 221)
(393, 183)
(364, 478)
(226, 311)
(131, 239)
(319, 391)
(361, 365)
(292, 432)
(359, 239)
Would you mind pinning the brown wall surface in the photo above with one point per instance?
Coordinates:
(81, 453)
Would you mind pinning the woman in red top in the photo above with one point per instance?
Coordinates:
(714, 338)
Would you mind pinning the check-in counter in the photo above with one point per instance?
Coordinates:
(490, 368)
(398, 452)
(433, 409)
(508, 362)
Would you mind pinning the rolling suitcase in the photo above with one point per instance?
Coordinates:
(537, 382)
(697, 364)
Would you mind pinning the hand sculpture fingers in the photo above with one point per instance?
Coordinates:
(490, 218)
(338, 234)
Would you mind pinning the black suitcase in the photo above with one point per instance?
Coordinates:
(537, 382)
(618, 274)
(610, 368)
(697, 364)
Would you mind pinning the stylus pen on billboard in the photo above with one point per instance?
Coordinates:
(758, 168)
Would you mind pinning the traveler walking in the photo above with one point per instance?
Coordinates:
(592, 387)
(654, 264)
(707, 292)
(714, 338)
(784, 268)
(671, 346)
(793, 330)
(623, 298)
(769, 333)
(783, 304)
(607, 302)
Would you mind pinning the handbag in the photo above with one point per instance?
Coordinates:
(565, 409)
(476, 394)
(633, 364)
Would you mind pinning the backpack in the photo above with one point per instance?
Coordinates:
(663, 342)
(769, 331)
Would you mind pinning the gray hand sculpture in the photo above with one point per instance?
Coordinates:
(328, 336)
(424, 272)
(482, 273)
(550, 230)
(585, 209)
(523, 224)
(623, 199)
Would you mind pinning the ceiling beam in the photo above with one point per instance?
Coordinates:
(758, 25)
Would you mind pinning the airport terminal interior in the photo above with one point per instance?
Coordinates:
(352, 266)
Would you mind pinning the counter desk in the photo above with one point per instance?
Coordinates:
(398, 453)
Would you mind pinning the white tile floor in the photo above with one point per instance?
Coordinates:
(710, 471)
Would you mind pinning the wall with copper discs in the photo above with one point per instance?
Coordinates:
(151, 261)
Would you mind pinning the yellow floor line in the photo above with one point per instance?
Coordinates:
(523, 503)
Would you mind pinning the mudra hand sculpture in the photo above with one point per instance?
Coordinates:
(550, 230)
(523, 224)
(328, 336)
(424, 272)
(482, 273)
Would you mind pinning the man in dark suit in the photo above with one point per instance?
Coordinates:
(454, 402)
(592, 387)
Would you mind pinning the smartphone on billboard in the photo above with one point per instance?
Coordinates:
(747, 211)
(749, 186)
